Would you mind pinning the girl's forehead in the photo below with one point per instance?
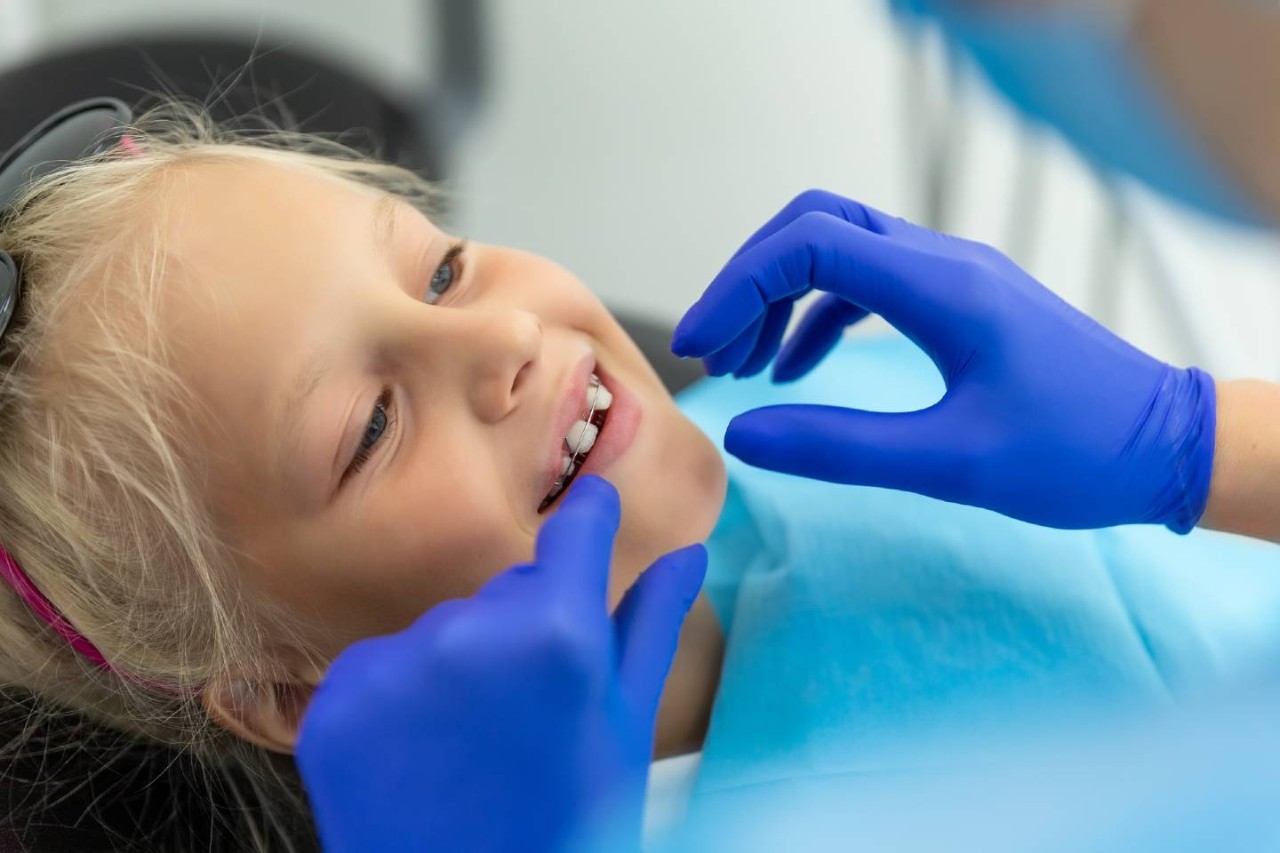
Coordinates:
(275, 210)
(235, 189)
(254, 223)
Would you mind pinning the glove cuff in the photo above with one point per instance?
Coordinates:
(1193, 416)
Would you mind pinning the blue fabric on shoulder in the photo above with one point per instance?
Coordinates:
(867, 630)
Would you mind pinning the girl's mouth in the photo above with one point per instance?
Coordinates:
(581, 438)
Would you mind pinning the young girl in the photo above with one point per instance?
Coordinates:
(257, 405)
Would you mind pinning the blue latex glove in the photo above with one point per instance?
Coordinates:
(1048, 417)
(510, 720)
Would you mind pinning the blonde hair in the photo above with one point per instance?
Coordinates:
(100, 498)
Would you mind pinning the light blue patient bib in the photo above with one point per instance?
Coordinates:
(866, 627)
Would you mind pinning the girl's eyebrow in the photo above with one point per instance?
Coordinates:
(291, 420)
(384, 222)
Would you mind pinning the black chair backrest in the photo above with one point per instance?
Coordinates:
(320, 95)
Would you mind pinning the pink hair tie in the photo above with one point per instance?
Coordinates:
(43, 607)
(9, 568)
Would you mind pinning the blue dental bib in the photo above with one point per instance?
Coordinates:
(866, 630)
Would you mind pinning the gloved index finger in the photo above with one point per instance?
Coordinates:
(697, 317)
(912, 289)
(575, 545)
(814, 201)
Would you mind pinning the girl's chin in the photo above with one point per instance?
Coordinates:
(695, 497)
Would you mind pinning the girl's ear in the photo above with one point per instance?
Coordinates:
(268, 714)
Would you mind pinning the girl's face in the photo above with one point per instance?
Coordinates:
(390, 411)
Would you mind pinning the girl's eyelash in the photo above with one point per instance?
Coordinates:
(455, 263)
(365, 452)
(455, 252)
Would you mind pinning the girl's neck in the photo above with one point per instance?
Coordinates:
(690, 692)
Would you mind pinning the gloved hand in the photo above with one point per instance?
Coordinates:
(509, 720)
(1048, 417)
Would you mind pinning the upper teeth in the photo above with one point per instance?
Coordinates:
(581, 437)
(598, 396)
(582, 433)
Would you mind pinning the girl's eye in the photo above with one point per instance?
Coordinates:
(379, 424)
(446, 274)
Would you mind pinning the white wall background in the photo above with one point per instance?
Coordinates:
(638, 143)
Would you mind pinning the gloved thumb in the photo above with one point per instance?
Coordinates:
(647, 623)
(909, 451)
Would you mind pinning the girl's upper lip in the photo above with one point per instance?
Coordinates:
(571, 404)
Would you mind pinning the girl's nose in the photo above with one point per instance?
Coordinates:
(501, 350)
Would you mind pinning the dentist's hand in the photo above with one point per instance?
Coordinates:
(509, 720)
(1048, 417)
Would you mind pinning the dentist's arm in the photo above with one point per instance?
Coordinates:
(1047, 417)
(517, 719)
(1244, 496)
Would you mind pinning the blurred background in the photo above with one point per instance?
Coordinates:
(639, 143)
